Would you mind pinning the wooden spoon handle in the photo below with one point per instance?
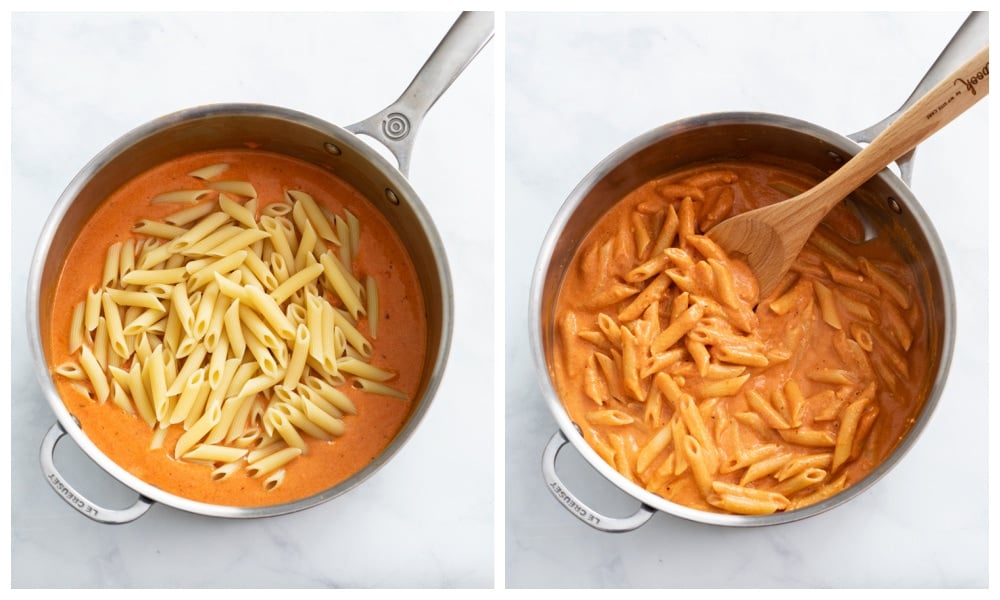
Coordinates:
(943, 103)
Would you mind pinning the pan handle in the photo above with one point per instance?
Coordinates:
(396, 125)
(73, 497)
(971, 37)
(577, 508)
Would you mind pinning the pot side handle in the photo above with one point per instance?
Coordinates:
(971, 37)
(73, 497)
(396, 126)
(577, 508)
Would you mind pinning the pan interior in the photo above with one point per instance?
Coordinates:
(275, 130)
(884, 204)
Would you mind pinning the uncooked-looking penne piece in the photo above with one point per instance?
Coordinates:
(198, 430)
(210, 171)
(203, 228)
(296, 282)
(240, 241)
(224, 471)
(337, 278)
(315, 216)
(322, 418)
(272, 462)
(371, 309)
(238, 188)
(374, 387)
(192, 387)
(188, 215)
(207, 273)
(126, 261)
(263, 356)
(179, 197)
(284, 428)
(192, 362)
(237, 211)
(95, 374)
(268, 308)
(155, 276)
(101, 341)
(352, 335)
(215, 453)
(159, 436)
(92, 308)
(354, 226)
(120, 398)
(331, 394)
(112, 258)
(344, 234)
(298, 419)
(211, 241)
(274, 480)
(137, 390)
(135, 298)
(71, 370)
(297, 362)
(76, 327)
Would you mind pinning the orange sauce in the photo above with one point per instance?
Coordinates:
(897, 401)
(400, 345)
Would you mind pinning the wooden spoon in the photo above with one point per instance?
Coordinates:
(769, 238)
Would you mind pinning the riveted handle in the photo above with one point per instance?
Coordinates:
(396, 126)
(74, 498)
(575, 506)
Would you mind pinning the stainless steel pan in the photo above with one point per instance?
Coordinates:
(293, 134)
(886, 203)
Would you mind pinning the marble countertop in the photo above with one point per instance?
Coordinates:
(426, 518)
(580, 86)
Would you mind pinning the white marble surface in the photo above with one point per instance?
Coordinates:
(423, 520)
(580, 86)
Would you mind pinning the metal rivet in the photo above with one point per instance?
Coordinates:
(894, 206)
(332, 148)
(836, 157)
(391, 195)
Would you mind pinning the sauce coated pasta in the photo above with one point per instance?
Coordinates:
(238, 328)
(693, 387)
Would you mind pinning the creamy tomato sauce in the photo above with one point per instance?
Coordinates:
(399, 347)
(622, 423)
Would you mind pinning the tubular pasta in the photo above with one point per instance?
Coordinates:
(690, 385)
(272, 462)
(235, 329)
